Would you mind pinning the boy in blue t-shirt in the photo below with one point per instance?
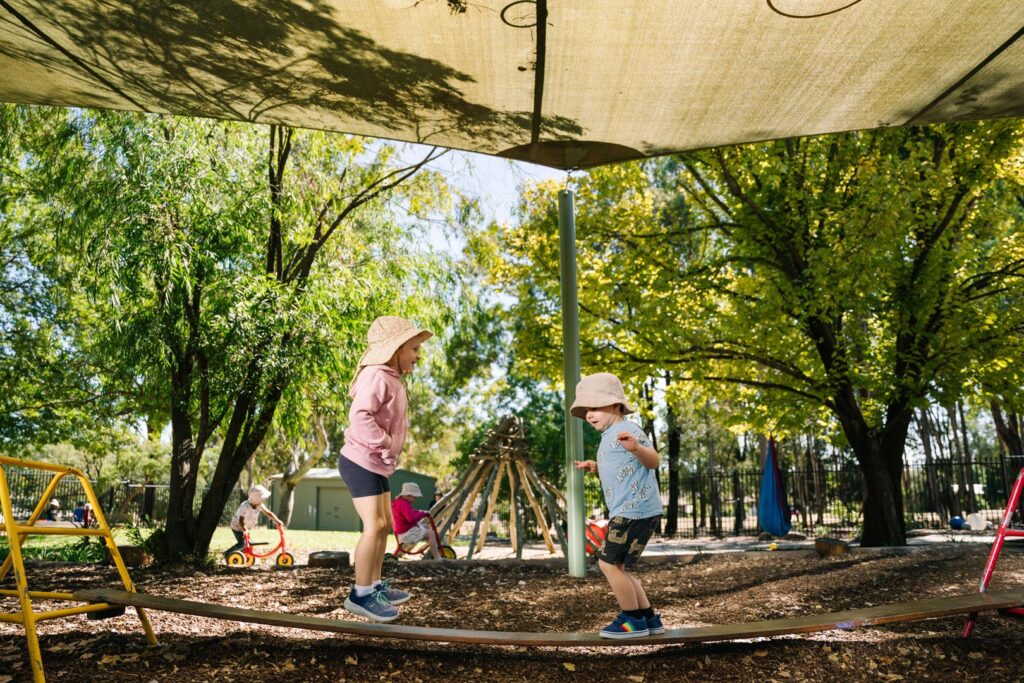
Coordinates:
(627, 466)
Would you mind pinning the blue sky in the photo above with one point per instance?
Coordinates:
(494, 181)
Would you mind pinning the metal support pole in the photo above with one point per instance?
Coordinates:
(577, 556)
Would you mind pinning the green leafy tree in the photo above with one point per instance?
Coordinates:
(847, 276)
(222, 269)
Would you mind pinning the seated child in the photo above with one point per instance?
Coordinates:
(52, 513)
(247, 514)
(627, 466)
(78, 514)
(411, 525)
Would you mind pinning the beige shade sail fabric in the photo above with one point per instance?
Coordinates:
(565, 83)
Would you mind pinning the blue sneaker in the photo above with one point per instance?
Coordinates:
(373, 605)
(625, 626)
(654, 625)
(394, 596)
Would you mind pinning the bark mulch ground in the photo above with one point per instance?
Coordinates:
(531, 596)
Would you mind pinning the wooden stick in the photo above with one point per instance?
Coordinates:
(476, 527)
(491, 502)
(461, 509)
(553, 510)
(436, 508)
(520, 525)
(513, 516)
(445, 514)
(541, 521)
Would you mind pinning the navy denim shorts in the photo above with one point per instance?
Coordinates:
(360, 481)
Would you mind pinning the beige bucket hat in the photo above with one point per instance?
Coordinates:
(386, 335)
(411, 488)
(258, 494)
(599, 390)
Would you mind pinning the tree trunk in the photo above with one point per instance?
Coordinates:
(246, 430)
(298, 470)
(963, 503)
(924, 430)
(1007, 428)
(819, 496)
(716, 504)
(944, 466)
(739, 512)
(972, 499)
(288, 482)
(180, 527)
(703, 502)
(880, 456)
(883, 504)
(674, 439)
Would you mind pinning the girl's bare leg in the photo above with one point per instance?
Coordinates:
(375, 513)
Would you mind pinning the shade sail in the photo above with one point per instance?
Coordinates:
(565, 83)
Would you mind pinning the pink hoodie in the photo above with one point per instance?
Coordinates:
(377, 423)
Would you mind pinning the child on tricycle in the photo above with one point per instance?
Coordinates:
(414, 527)
(244, 519)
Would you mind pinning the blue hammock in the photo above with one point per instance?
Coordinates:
(773, 513)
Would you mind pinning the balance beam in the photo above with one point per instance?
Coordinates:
(916, 610)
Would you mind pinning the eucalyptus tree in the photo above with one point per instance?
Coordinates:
(842, 277)
(225, 269)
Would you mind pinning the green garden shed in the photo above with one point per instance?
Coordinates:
(323, 502)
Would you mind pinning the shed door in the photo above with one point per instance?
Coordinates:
(334, 509)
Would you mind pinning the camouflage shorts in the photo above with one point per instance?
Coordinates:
(627, 538)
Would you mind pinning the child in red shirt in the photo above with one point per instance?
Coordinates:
(411, 525)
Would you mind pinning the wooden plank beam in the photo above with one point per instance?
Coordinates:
(917, 610)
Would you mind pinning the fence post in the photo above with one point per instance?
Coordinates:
(148, 501)
(693, 502)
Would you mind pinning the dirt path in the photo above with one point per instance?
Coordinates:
(533, 597)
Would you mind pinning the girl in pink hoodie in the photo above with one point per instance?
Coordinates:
(373, 441)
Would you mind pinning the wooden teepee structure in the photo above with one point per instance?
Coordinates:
(502, 462)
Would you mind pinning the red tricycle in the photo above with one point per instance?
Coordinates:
(420, 547)
(594, 534)
(247, 556)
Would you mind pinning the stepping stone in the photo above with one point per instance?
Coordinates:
(329, 558)
(831, 546)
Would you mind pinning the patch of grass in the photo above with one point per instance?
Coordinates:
(71, 549)
(82, 550)
(295, 539)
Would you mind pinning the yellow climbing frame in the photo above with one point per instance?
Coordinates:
(17, 532)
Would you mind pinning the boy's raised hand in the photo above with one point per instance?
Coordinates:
(628, 441)
(588, 465)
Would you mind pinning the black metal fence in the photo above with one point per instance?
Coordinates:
(828, 499)
(123, 502)
(825, 500)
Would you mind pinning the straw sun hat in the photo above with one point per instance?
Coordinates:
(597, 391)
(387, 334)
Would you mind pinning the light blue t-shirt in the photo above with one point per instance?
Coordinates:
(630, 489)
